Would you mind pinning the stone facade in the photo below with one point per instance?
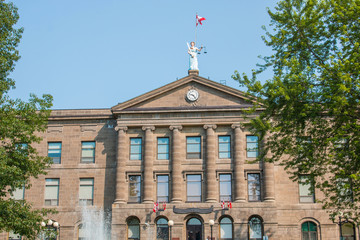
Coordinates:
(166, 112)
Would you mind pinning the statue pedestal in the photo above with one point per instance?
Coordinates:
(193, 72)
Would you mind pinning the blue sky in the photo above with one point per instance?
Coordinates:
(95, 54)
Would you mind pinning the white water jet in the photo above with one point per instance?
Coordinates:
(95, 224)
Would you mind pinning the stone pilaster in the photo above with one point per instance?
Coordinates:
(176, 177)
(148, 164)
(121, 187)
(269, 180)
(239, 161)
(210, 163)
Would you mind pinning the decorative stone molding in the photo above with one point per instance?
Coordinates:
(213, 126)
(178, 127)
(88, 128)
(145, 128)
(55, 128)
(121, 128)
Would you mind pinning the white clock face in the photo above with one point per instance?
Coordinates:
(192, 95)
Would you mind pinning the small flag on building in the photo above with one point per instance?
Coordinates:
(199, 19)
(164, 205)
(229, 205)
(222, 204)
(156, 207)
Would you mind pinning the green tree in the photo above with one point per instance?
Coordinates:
(19, 123)
(311, 113)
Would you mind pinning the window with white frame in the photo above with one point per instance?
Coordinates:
(193, 147)
(252, 146)
(135, 148)
(86, 191)
(163, 148)
(162, 188)
(225, 187)
(224, 147)
(52, 191)
(193, 187)
(305, 189)
(254, 193)
(54, 152)
(135, 188)
(87, 152)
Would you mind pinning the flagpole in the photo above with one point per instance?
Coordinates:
(195, 28)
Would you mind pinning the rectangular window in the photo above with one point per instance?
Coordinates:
(224, 147)
(254, 187)
(193, 188)
(163, 148)
(52, 192)
(163, 188)
(19, 193)
(86, 191)
(193, 147)
(344, 189)
(135, 148)
(87, 152)
(134, 189)
(305, 194)
(54, 151)
(225, 187)
(252, 146)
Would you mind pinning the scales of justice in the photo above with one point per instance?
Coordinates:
(193, 51)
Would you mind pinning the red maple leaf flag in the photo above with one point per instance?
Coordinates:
(156, 205)
(229, 205)
(222, 204)
(199, 19)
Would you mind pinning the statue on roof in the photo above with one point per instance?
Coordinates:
(193, 51)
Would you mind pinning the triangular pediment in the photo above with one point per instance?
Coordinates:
(173, 96)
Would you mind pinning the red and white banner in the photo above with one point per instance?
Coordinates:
(199, 19)
(156, 207)
(229, 205)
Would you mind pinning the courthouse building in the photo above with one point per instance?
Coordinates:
(185, 146)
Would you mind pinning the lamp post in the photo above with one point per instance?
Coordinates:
(211, 223)
(51, 224)
(171, 223)
(340, 223)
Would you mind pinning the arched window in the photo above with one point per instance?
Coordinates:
(162, 229)
(133, 232)
(194, 228)
(226, 229)
(348, 231)
(255, 228)
(309, 231)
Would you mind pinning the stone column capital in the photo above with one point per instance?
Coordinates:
(178, 127)
(121, 128)
(213, 126)
(146, 128)
(238, 125)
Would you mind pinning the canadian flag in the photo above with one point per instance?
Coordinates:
(164, 206)
(229, 205)
(199, 20)
(156, 207)
(222, 204)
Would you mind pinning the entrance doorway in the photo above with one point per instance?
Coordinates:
(194, 229)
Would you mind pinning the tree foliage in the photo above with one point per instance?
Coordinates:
(311, 104)
(19, 123)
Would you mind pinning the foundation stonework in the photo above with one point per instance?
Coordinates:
(167, 113)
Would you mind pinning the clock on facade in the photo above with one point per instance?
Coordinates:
(192, 95)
